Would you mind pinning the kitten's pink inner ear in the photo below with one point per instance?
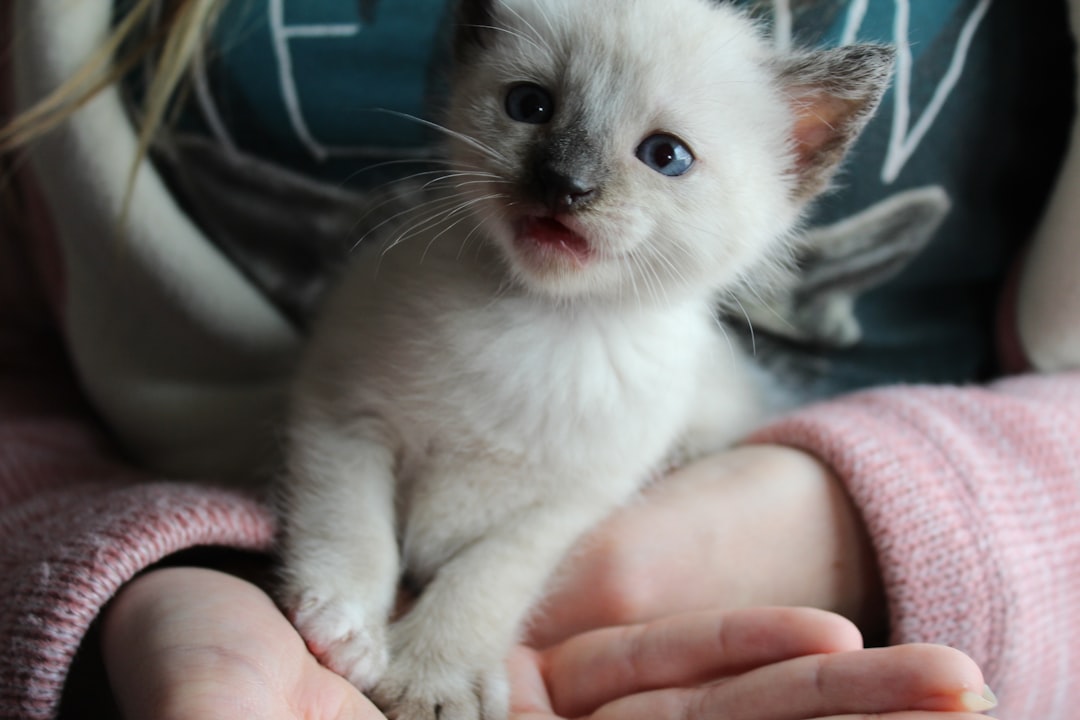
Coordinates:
(824, 127)
(821, 124)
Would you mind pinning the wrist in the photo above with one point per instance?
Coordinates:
(756, 525)
(809, 539)
(853, 586)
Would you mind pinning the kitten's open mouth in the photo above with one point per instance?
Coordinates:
(547, 234)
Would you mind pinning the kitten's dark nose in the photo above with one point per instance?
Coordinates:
(563, 193)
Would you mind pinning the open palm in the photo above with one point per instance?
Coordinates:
(186, 643)
(759, 664)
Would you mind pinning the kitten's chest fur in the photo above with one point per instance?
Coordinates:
(500, 399)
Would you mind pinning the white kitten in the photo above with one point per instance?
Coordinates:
(538, 338)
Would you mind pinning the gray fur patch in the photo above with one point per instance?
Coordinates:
(473, 27)
(839, 262)
(844, 85)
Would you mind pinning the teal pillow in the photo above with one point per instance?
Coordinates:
(308, 82)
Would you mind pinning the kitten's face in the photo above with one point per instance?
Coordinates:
(636, 148)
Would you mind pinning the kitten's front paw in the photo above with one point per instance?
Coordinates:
(412, 692)
(343, 636)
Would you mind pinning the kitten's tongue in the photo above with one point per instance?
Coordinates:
(549, 233)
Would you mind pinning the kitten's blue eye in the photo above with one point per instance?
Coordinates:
(666, 155)
(529, 103)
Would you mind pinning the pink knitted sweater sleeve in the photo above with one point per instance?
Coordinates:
(76, 523)
(972, 499)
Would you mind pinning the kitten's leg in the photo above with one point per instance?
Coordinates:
(339, 548)
(448, 653)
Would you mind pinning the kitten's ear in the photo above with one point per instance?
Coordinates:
(833, 93)
(474, 22)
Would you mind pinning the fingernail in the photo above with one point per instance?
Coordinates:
(979, 703)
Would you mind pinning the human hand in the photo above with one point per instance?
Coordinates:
(756, 664)
(753, 526)
(190, 643)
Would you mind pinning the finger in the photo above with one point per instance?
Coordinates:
(528, 694)
(664, 707)
(597, 667)
(890, 680)
(912, 715)
(321, 694)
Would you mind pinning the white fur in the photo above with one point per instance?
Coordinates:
(467, 410)
(503, 425)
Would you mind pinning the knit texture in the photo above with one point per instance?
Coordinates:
(76, 521)
(972, 499)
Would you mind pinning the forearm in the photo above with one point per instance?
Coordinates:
(969, 496)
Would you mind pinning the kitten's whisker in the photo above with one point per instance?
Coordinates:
(655, 288)
(439, 234)
(433, 160)
(389, 197)
(660, 284)
(684, 249)
(395, 216)
(752, 289)
(749, 325)
(727, 338)
(660, 292)
(412, 230)
(432, 220)
(631, 271)
(389, 163)
(469, 237)
(513, 33)
(669, 265)
(429, 220)
(542, 10)
(632, 260)
(474, 201)
(447, 172)
(646, 275)
(488, 177)
(388, 191)
(495, 180)
(539, 38)
(470, 141)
